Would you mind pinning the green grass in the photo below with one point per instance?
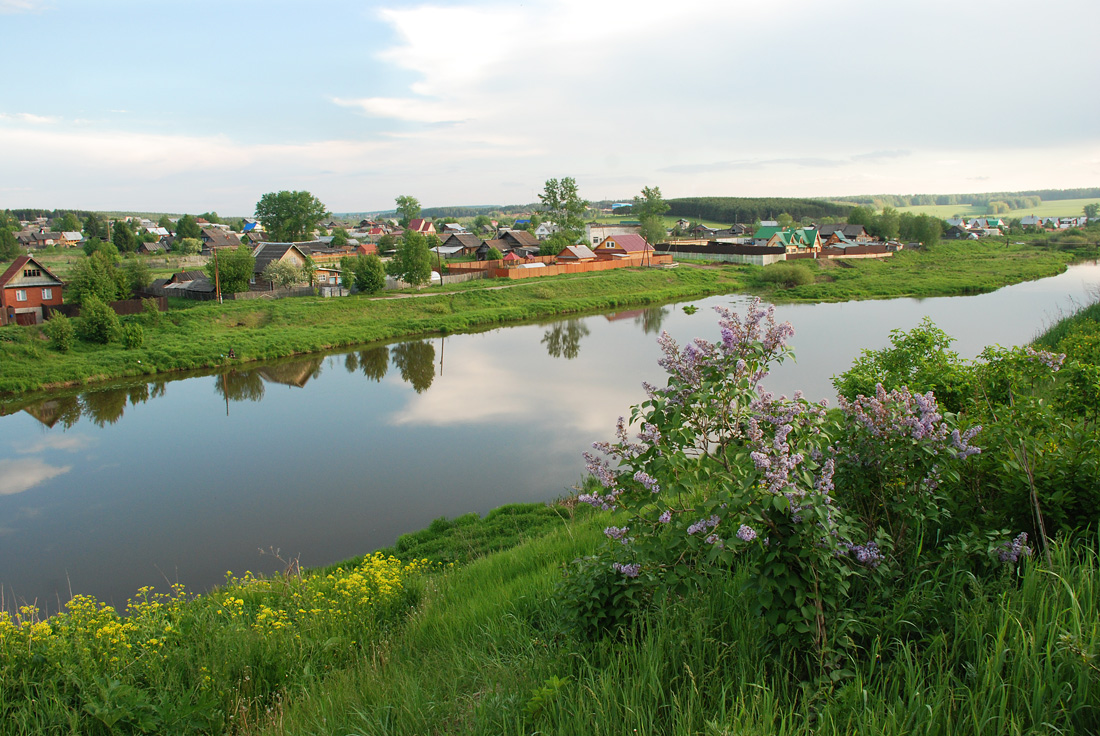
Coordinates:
(1051, 208)
(194, 335)
(947, 269)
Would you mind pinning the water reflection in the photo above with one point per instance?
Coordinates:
(24, 474)
(375, 362)
(105, 407)
(240, 386)
(416, 362)
(64, 410)
(563, 340)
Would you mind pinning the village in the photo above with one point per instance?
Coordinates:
(480, 248)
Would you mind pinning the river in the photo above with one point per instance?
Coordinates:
(323, 458)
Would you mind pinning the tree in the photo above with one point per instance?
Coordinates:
(555, 243)
(339, 237)
(1092, 210)
(416, 362)
(233, 269)
(480, 221)
(68, 223)
(649, 207)
(366, 273)
(413, 262)
(93, 228)
(387, 242)
(861, 216)
(188, 228)
(408, 208)
(9, 246)
(97, 276)
(562, 202)
(283, 274)
(187, 246)
(784, 220)
(137, 274)
(494, 255)
(289, 216)
(123, 237)
(211, 217)
(165, 222)
(98, 322)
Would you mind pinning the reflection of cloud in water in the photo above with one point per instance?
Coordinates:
(17, 476)
(481, 390)
(66, 442)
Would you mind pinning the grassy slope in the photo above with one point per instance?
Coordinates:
(198, 335)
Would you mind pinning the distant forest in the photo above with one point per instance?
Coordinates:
(750, 209)
(1015, 200)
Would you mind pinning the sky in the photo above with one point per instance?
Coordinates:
(199, 105)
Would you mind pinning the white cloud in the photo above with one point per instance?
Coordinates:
(21, 6)
(17, 476)
(26, 117)
(62, 442)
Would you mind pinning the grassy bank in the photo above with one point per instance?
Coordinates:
(199, 335)
(947, 269)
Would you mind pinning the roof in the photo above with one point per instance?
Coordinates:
(17, 266)
(577, 251)
(464, 240)
(212, 237)
(420, 225)
(182, 276)
(520, 237)
(73, 235)
(766, 232)
(629, 243)
(266, 253)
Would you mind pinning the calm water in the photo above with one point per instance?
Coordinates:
(329, 457)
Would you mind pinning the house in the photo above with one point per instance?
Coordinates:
(622, 246)
(595, 232)
(268, 253)
(366, 249)
(326, 276)
(955, 232)
(465, 243)
(38, 238)
(453, 227)
(521, 224)
(71, 238)
(1031, 221)
(545, 230)
(795, 241)
(213, 238)
(764, 234)
(518, 239)
(769, 223)
(420, 225)
(25, 288)
(482, 251)
(847, 233)
(683, 224)
(576, 254)
(149, 249)
(955, 222)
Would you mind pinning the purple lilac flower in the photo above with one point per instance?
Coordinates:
(746, 533)
(865, 554)
(1050, 360)
(648, 481)
(616, 532)
(703, 524)
(630, 570)
(1011, 551)
(715, 539)
(665, 517)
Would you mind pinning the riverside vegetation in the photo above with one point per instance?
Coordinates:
(753, 564)
(199, 335)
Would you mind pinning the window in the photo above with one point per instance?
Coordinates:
(20, 295)
(47, 294)
(30, 272)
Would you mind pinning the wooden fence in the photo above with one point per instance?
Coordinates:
(122, 308)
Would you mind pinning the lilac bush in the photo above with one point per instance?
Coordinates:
(721, 470)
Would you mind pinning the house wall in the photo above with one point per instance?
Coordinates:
(764, 259)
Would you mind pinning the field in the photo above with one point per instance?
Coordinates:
(1052, 208)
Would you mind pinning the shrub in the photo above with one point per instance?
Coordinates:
(133, 336)
(787, 275)
(61, 332)
(98, 322)
(151, 310)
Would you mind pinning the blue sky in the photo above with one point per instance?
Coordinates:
(191, 105)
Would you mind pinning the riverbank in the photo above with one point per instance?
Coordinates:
(195, 335)
(465, 628)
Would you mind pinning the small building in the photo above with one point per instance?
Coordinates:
(622, 246)
(518, 239)
(25, 288)
(595, 232)
(545, 230)
(464, 244)
(213, 238)
(268, 253)
(420, 225)
(576, 254)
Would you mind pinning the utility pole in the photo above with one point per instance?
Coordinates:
(217, 280)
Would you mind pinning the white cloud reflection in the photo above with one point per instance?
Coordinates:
(21, 475)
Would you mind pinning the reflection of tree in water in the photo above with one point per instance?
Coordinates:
(156, 389)
(105, 407)
(375, 362)
(563, 340)
(351, 363)
(240, 385)
(416, 361)
(651, 319)
(138, 394)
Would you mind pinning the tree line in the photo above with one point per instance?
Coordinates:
(753, 209)
(1015, 200)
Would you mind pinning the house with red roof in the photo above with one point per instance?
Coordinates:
(622, 246)
(25, 287)
(420, 225)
